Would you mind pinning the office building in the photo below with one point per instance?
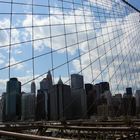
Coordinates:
(3, 107)
(60, 99)
(13, 100)
(129, 105)
(101, 88)
(91, 99)
(45, 86)
(46, 104)
(108, 96)
(28, 106)
(46, 83)
(77, 81)
(79, 103)
(49, 82)
(137, 96)
(1, 104)
(79, 99)
(45, 90)
(129, 91)
(103, 111)
(33, 87)
(97, 90)
(40, 106)
(116, 105)
(104, 86)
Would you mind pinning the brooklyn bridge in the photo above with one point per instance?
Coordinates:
(69, 69)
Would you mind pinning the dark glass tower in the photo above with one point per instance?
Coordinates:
(40, 106)
(49, 82)
(91, 99)
(77, 81)
(78, 94)
(33, 87)
(45, 87)
(13, 100)
(104, 86)
(3, 106)
(60, 98)
(129, 91)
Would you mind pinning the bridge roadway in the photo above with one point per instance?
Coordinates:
(75, 128)
(17, 128)
(26, 136)
(35, 124)
(80, 124)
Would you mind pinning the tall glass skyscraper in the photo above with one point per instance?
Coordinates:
(33, 87)
(78, 93)
(60, 98)
(45, 86)
(28, 106)
(77, 81)
(13, 100)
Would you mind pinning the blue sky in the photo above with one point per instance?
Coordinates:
(99, 21)
(136, 3)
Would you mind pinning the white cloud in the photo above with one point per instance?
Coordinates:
(106, 4)
(57, 31)
(14, 61)
(121, 33)
(2, 85)
(5, 34)
(1, 61)
(18, 52)
(2, 58)
(118, 30)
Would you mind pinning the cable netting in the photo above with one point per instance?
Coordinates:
(96, 38)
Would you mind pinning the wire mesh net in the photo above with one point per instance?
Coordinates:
(96, 38)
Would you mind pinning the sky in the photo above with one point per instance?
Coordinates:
(106, 32)
(135, 3)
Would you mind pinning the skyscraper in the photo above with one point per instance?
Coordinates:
(3, 106)
(77, 81)
(54, 105)
(104, 86)
(60, 98)
(33, 87)
(91, 99)
(129, 105)
(137, 96)
(129, 91)
(103, 89)
(46, 83)
(116, 105)
(43, 84)
(28, 106)
(40, 106)
(79, 101)
(45, 87)
(49, 80)
(13, 100)
(98, 90)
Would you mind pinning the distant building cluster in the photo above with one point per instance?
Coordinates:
(65, 102)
